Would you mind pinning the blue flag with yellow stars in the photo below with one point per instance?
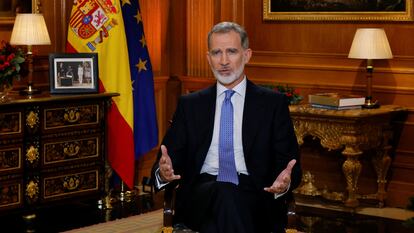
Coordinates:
(145, 118)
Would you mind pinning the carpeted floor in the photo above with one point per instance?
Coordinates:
(144, 223)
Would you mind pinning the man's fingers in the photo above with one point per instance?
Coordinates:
(164, 155)
(290, 165)
(176, 177)
(163, 160)
(164, 150)
(274, 189)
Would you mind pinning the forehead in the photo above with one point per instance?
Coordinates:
(225, 40)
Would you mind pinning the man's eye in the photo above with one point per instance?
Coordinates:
(232, 51)
(215, 53)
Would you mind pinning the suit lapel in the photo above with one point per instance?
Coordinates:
(206, 114)
(253, 111)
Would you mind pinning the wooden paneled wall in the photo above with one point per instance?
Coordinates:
(309, 55)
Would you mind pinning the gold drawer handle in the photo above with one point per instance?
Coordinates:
(71, 150)
(72, 115)
(32, 119)
(71, 182)
(32, 154)
(32, 189)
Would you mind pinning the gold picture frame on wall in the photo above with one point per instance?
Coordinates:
(338, 10)
(9, 9)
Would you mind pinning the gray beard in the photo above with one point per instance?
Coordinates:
(226, 80)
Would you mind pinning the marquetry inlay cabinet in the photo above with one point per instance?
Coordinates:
(52, 148)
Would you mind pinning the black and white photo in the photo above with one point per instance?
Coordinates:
(73, 73)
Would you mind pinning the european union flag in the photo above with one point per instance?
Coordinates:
(145, 118)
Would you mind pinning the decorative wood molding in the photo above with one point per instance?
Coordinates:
(160, 93)
(330, 62)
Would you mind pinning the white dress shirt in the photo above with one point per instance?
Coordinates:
(211, 163)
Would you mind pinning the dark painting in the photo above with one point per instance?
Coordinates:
(9, 8)
(338, 10)
(337, 5)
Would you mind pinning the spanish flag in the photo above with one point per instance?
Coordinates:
(97, 26)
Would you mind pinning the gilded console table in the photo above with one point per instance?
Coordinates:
(354, 131)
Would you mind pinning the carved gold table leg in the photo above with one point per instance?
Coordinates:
(351, 169)
(382, 162)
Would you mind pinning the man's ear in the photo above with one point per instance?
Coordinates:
(208, 58)
(247, 54)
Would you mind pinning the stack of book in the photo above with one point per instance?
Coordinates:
(336, 101)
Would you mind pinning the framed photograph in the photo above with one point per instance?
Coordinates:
(338, 10)
(73, 73)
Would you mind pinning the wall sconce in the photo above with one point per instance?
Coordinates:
(29, 29)
(370, 44)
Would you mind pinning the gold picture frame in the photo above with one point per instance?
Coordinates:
(287, 10)
(9, 8)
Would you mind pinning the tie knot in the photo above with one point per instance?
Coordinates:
(229, 94)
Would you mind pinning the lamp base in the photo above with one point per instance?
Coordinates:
(29, 90)
(371, 105)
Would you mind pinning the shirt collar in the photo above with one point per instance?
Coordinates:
(240, 89)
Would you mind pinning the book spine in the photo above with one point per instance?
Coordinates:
(315, 99)
(335, 108)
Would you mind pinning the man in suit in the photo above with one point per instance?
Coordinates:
(231, 147)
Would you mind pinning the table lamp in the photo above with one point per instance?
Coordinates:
(370, 44)
(29, 29)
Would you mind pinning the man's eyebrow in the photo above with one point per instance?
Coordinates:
(232, 49)
(215, 50)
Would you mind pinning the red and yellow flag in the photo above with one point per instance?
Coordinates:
(97, 26)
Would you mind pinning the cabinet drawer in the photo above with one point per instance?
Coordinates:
(10, 123)
(72, 184)
(72, 150)
(11, 159)
(11, 194)
(71, 116)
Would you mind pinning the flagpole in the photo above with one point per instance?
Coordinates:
(126, 195)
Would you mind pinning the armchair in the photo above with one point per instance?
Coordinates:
(287, 204)
(168, 213)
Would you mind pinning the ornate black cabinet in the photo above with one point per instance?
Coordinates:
(52, 148)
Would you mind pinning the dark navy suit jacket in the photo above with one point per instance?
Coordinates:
(269, 141)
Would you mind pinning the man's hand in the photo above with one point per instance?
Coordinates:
(166, 168)
(283, 180)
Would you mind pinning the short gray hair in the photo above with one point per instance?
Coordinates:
(225, 27)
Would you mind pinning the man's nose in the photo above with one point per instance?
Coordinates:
(224, 59)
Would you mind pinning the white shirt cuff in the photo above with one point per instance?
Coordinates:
(158, 181)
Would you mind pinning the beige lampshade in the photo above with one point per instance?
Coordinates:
(370, 43)
(30, 29)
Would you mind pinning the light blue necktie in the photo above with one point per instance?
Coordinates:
(227, 165)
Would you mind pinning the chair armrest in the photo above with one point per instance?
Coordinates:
(169, 193)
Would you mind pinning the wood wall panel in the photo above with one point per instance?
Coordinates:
(155, 16)
(178, 44)
(200, 18)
